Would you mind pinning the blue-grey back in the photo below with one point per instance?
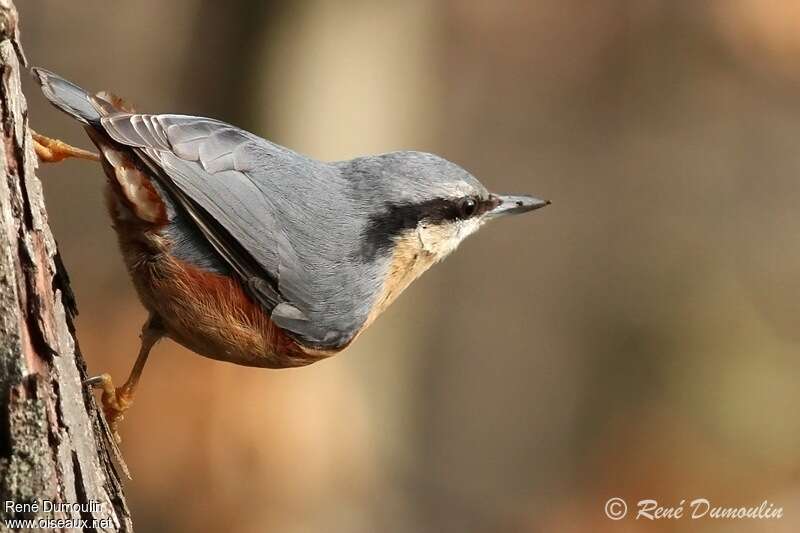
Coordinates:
(294, 215)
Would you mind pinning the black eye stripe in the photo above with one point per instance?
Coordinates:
(485, 204)
(384, 227)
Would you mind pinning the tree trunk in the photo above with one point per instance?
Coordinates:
(54, 445)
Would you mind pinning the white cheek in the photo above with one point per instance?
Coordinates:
(427, 240)
(467, 228)
(441, 241)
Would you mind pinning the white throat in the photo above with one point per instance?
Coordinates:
(440, 240)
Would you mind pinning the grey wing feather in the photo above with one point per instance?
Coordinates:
(220, 168)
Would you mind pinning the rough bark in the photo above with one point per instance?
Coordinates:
(54, 445)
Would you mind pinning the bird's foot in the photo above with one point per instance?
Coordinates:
(53, 150)
(115, 400)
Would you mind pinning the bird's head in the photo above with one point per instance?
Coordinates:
(424, 203)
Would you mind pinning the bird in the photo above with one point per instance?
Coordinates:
(245, 251)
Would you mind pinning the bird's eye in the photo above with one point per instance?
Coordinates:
(467, 207)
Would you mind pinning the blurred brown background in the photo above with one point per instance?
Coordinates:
(637, 339)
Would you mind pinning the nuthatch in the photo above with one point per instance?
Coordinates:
(247, 252)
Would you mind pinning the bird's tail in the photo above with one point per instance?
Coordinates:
(67, 96)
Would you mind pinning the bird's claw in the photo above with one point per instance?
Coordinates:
(53, 150)
(115, 401)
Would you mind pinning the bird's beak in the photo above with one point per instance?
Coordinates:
(513, 205)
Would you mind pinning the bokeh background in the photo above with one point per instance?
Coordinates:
(639, 338)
